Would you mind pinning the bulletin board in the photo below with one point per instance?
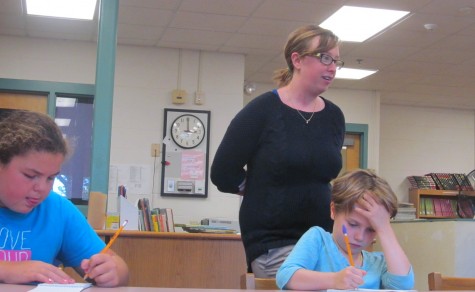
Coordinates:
(185, 153)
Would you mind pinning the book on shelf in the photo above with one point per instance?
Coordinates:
(146, 216)
(447, 181)
(465, 208)
(163, 220)
(170, 220)
(463, 182)
(421, 182)
(405, 211)
(456, 207)
(156, 219)
(441, 181)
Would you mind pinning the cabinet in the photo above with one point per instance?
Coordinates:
(442, 204)
(181, 260)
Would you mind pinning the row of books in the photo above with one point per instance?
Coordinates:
(405, 211)
(156, 219)
(441, 181)
(445, 207)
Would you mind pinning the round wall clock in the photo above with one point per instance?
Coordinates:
(188, 131)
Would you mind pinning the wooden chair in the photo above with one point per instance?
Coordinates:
(439, 282)
(248, 281)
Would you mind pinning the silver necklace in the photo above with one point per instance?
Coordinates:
(311, 116)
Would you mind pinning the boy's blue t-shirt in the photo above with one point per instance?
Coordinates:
(317, 251)
(54, 231)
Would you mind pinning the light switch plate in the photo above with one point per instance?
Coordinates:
(155, 150)
(179, 96)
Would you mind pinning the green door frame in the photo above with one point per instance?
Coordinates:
(362, 131)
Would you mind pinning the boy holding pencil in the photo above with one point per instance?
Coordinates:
(361, 206)
(40, 229)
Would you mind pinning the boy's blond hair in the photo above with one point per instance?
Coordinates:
(348, 188)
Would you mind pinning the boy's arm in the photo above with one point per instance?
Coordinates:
(396, 259)
(346, 279)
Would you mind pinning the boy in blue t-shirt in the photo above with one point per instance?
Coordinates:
(362, 204)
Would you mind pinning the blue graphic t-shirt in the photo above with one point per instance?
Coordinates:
(53, 231)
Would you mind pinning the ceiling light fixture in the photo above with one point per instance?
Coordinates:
(249, 88)
(76, 9)
(357, 24)
(430, 26)
(350, 73)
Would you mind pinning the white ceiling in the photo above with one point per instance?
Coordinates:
(416, 66)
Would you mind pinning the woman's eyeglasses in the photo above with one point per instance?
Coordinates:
(326, 59)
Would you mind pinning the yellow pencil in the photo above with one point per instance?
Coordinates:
(348, 247)
(111, 241)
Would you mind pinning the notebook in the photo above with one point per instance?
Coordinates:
(44, 287)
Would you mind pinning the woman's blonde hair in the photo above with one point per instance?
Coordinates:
(348, 188)
(299, 41)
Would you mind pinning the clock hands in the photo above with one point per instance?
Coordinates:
(188, 126)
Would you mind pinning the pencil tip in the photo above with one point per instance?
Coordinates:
(343, 227)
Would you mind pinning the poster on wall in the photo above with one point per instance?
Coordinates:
(185, 153)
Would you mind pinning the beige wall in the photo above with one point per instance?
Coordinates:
(440, 246)
(402, 140)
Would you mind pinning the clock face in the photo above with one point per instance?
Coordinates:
(187, 131)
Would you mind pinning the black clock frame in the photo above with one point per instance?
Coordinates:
(172, 183)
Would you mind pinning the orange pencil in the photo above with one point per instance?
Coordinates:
(348, 248)
(116, 234)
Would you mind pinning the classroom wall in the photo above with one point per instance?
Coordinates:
(145, 78)
(403, 140)
(417, 141)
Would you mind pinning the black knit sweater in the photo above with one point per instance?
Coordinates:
(289, 167)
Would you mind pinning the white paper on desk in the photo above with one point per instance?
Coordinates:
(128, 212)
(44, 287)
(369, 290)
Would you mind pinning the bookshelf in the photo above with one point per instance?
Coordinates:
(442, 204)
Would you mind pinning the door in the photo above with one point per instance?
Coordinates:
(25, 101)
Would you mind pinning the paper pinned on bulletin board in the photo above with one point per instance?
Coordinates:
(137, 178)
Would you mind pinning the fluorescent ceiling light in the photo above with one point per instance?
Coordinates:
(349, 73)
(65, 102)
(77, 9)
(356, 24)
(62, 122)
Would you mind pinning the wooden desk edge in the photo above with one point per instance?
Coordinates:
(172, 235)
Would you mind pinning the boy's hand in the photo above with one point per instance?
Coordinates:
(376, 213)
(349, 278)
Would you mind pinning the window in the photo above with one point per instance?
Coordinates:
(74, 115)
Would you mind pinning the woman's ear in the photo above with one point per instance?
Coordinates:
(296, 60)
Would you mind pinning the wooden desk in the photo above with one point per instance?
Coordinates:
(181, 260)
(25, 288)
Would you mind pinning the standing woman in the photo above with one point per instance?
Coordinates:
(290, 141)
(40, 229)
